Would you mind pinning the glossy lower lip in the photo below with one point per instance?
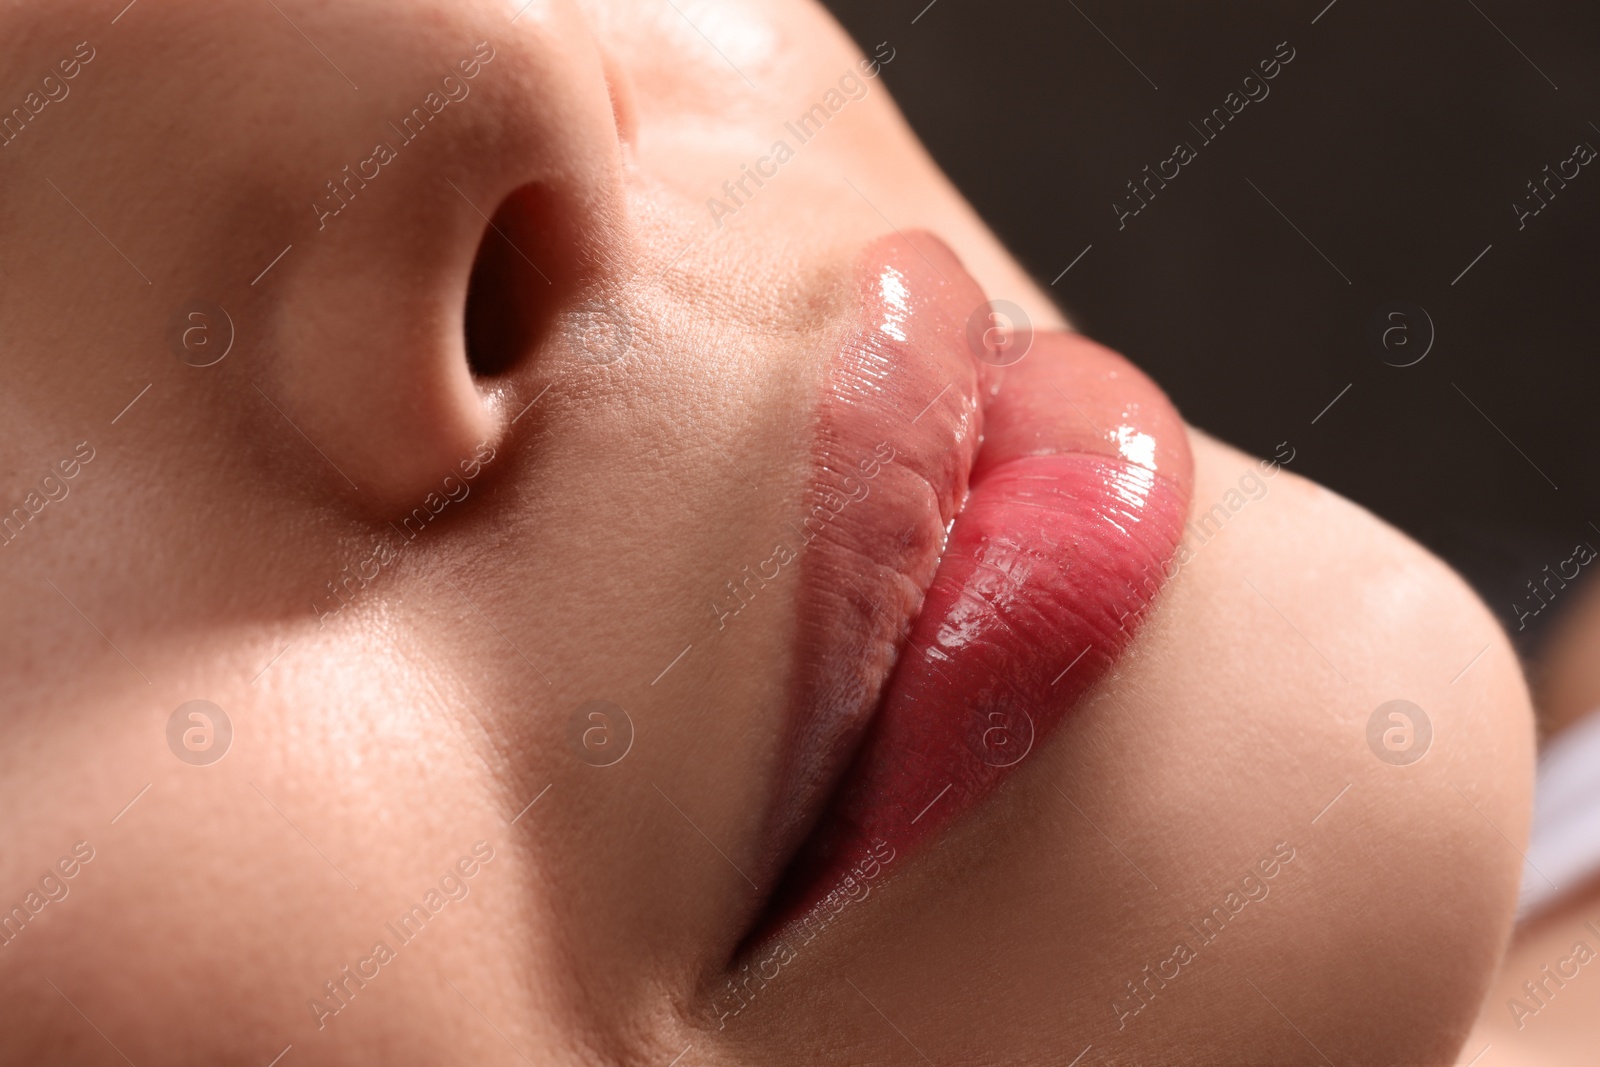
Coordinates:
(981, 546)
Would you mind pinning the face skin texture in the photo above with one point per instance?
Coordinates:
(578, 512)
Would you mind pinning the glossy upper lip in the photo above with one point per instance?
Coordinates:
(925, 640)
(896, 435)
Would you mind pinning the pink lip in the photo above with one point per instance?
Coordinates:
(1062, 480)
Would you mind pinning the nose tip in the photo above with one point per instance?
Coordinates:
(478, 157)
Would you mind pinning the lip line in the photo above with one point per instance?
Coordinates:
(854, 385)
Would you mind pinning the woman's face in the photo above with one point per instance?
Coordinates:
(534, 433)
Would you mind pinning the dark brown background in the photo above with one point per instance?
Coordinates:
(1397, 140)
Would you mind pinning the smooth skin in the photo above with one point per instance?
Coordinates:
(374, 746)
(1555, 1026)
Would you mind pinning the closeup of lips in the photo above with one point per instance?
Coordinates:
(981, 546)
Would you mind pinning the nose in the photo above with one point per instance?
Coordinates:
(409, 194)
(452, 206)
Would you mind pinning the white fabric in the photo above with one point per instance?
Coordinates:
(1564, 847)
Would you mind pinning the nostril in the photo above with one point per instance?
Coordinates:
(510, 294)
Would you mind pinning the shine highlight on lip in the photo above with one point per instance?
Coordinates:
(1009, 546)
